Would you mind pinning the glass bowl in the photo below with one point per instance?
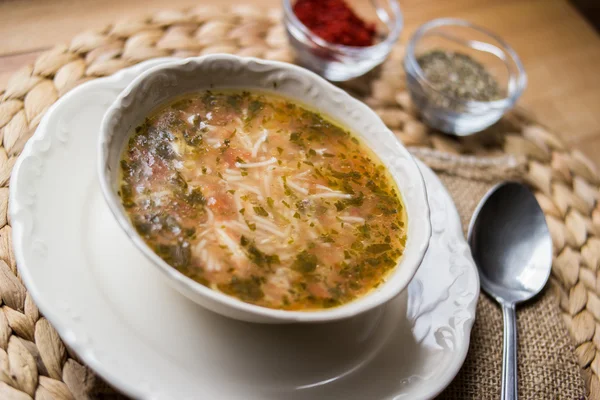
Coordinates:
(451, 114)
(338, 62)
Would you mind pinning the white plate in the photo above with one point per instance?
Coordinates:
(113, 309)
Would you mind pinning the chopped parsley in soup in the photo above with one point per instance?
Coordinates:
(257, 197)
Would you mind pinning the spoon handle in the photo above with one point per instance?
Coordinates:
(509, 353)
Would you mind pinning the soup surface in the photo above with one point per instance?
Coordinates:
(257, 197)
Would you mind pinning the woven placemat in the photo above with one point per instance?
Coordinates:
(33, 360)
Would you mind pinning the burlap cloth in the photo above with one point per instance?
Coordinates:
(559, 333)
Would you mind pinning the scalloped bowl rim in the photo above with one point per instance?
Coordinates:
(418, 235)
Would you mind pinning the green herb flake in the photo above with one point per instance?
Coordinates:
(245, 289)
(365, 230)
(296, 137)
(378, 248)
(196, 197)
(327, 239)
(177, 255)
(305, 262)
(260, 211)
(258, 257)
(254, 108)
(356, 201)
(286, 189)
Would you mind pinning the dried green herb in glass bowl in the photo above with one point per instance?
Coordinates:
(459, 75)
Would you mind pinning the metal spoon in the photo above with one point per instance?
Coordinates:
(512, 247)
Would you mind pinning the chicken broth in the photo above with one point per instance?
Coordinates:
(260, 198)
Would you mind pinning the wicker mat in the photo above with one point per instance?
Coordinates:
(35, 363)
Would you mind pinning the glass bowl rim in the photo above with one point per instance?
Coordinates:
(395, 29)
(513, 93)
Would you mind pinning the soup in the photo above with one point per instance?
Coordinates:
(259, 198)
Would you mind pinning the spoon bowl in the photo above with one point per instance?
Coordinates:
(511, 243)
(512, 248)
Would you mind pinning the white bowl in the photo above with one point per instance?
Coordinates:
(159, 84)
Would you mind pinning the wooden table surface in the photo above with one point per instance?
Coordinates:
(560, 50)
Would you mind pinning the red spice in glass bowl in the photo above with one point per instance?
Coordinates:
(335, 22)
